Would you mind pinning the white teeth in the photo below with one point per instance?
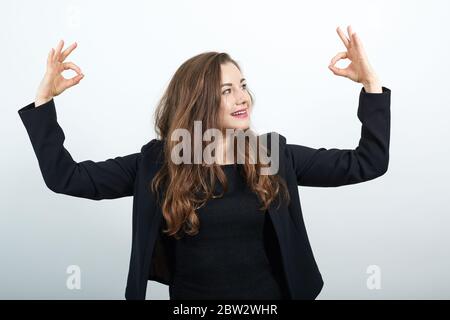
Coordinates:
(238, 113)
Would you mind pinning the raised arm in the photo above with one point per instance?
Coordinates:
(109, 179)
(336, 167)
(113, 178)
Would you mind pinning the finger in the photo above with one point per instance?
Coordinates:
(66, 52)
(50, 57)
(343, 37)
(72, 66)
(57, 54)
(339, 56)
(350, 31)
(73, 81)
(338, 71)
(358, 43)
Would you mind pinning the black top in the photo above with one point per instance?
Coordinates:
(129, 175)
(235, 254)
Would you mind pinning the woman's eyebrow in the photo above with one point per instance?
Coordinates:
(229, 84)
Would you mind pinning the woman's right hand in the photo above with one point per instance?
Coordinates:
(53, 82)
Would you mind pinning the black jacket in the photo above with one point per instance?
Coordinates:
(129, 176)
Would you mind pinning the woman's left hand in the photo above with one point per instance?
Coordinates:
(359, 69)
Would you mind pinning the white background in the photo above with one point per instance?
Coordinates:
(129, 50)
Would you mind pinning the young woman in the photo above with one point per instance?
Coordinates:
(220, 230)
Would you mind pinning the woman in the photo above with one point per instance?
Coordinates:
(242, 237)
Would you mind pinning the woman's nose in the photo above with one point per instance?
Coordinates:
(240, 97)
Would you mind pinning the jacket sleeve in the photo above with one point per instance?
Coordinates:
(109, 179)
(336, 167)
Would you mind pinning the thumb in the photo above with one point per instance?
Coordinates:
(338, 71)
(73, 81)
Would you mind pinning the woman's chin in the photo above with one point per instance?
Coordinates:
(241, 126)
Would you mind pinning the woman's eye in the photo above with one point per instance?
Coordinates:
(244, 86)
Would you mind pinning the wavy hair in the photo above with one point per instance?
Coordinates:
(194, 93)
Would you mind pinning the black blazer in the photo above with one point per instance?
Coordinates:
(129, 176)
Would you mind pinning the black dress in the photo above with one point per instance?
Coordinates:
(235, 255)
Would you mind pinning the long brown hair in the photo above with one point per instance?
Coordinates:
(194, 93)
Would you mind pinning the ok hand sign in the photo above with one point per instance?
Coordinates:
(53, 82)
(359, 69)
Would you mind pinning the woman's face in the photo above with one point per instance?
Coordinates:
(235, 97)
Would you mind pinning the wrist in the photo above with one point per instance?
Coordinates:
(372, 86)
(41, 100)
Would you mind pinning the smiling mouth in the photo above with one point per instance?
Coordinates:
(242, 113)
